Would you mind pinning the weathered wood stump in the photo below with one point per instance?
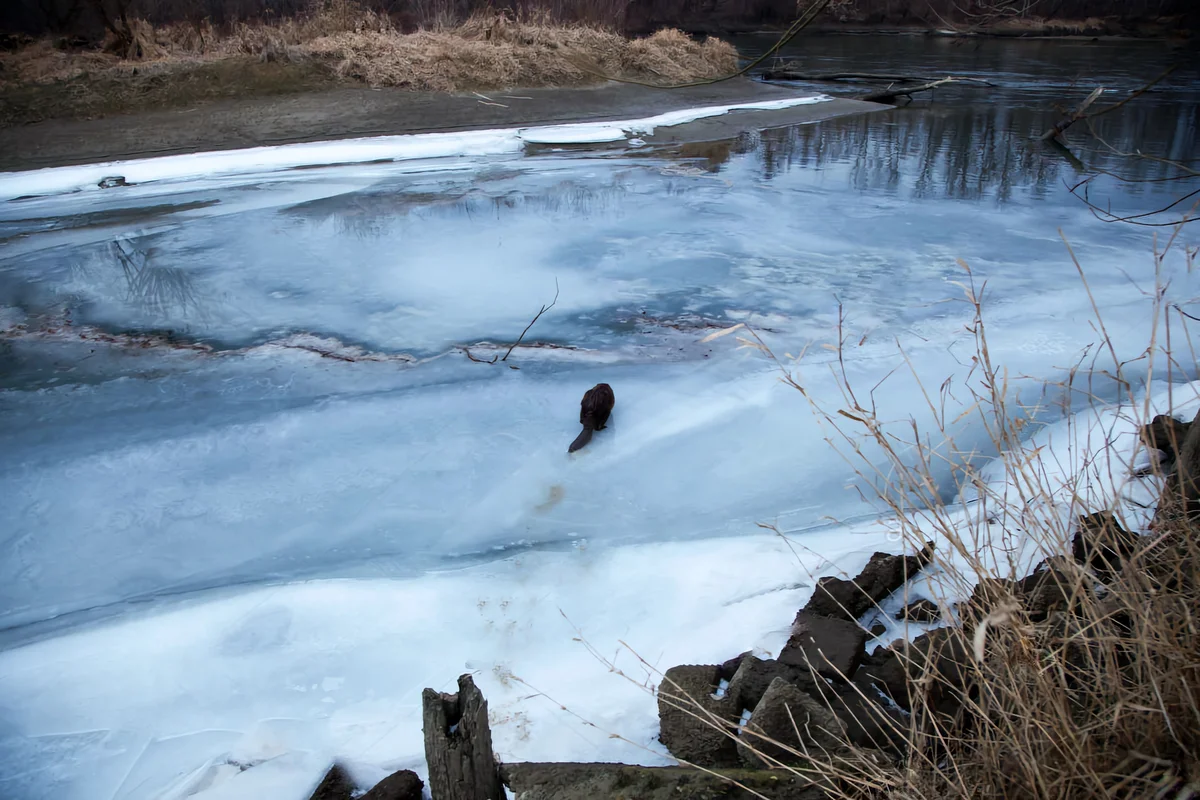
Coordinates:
(458, 744)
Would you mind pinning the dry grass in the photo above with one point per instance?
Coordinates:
(1099, 699)
(497, 53)
(349, 43)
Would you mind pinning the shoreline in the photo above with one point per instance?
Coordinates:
(353, 113)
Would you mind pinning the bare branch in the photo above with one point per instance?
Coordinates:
(1079, 113)
(537, 316)
(909, 91)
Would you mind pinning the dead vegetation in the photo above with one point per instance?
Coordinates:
(338, 42)
(1078, 680)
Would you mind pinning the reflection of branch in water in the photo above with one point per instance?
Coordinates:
(1081, 190)
(157, 288)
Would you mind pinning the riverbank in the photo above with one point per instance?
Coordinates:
(178, 66)
(358, 112)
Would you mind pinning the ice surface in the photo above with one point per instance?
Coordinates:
(335, 668)
(242, 441)
(254, 460)
(223, 697)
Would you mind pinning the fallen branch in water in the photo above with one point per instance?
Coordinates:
(1079, 113)
(789, 73)
(909, 91)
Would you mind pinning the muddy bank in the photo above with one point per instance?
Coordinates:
(357, 112)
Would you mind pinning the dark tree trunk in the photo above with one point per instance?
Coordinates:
(458, 745)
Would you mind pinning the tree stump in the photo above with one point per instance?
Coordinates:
(458, 744)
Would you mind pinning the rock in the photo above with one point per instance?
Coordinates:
(937, 663)
(730, 667)
(1165, 433)
(1048, 589)
(1040, 593)
(850, 599)
(785, 722)
(402, 785)
(886, 673)
(878, 629)
(833, 647)
(534, 781)
(988, 592)
(867, 714)
(754, 675)
(336, 785)
(112, 182)
(686, 692)
(941, 652)
(1102, 544)
(920, 611)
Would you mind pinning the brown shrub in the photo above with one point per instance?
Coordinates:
(486, 51)
(1078, 683)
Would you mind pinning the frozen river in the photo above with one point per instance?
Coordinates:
(209, 384)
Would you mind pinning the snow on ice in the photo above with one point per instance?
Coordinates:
(226, 565)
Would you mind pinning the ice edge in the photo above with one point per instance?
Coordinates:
(403, 147)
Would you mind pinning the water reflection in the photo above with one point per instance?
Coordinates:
(390, 210)
(973, 152)
(975, 143)
(154, 287)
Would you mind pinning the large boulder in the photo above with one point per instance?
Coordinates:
(754, 675)
(940, 665)
(867, 714)
(786, 724)
(850, 599)
(697, 720)
(402, 785)
(831, 646)
(336, 785)
(884, 671)
(941, 654)
(695, 724)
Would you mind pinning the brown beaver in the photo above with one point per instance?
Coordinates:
(594, 409)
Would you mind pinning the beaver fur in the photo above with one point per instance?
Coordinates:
(594, 410)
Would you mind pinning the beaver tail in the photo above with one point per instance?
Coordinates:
(583, 438)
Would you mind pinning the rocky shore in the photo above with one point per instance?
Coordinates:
(770, 727)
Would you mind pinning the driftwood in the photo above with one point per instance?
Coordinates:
(1076, 115)
(793, 74)
(909, 91)
(458, 744)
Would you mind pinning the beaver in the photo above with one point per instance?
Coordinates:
(594, 409)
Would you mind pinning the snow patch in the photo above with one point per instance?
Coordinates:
(408, 147)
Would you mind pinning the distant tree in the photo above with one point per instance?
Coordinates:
(58, 16)
(121, 19)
